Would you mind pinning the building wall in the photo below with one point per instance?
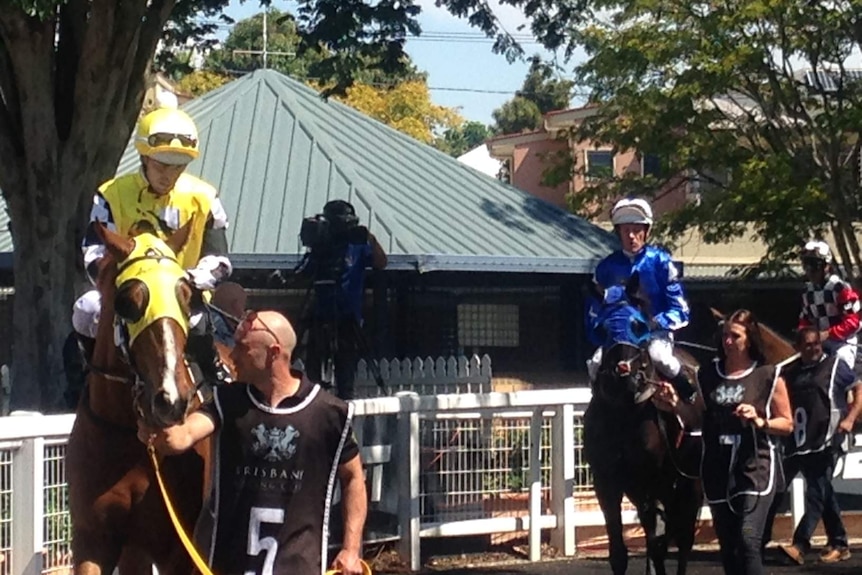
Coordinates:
(529, 163)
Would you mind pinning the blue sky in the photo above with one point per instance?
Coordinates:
(453, 67)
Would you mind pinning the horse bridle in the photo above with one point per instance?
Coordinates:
(135, 379)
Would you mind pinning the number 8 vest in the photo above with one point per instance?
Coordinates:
(811, 390)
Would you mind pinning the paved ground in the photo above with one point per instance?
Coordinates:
(703, 563)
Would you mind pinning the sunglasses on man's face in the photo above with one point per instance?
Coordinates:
(247, 325)
(164, 139)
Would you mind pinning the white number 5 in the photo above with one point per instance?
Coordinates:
(257, 516)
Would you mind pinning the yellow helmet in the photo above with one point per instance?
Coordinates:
(168, 135)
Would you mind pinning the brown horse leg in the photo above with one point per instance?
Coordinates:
(654, 525)
(610, 501)
(687, 499)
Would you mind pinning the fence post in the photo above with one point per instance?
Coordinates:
(408, 482)
(27, 507)
(563, 479)
(536, 485)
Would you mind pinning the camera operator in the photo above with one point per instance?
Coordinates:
(340, 250)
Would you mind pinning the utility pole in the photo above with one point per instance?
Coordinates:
(265, 53)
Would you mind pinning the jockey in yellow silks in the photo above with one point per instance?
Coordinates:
(160, 198)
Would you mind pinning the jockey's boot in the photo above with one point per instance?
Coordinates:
(201, 348)
(687, 392)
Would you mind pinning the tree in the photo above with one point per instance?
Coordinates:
(72, 76)
(460, 139)
(517, 115)
(749, 104)
(407, 107)
(542, 92)
(200, 82)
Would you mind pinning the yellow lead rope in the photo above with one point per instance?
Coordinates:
(187, 543)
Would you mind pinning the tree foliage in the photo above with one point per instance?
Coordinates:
(200, 82)
(460, 139)
(749, 104)
(543, 91)
(407, 107)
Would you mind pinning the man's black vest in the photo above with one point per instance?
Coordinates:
(811, 390)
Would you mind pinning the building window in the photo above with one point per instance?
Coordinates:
(709, 181)
(652, 166)
(599, 164)
(488, 325)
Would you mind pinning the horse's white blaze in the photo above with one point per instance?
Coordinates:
(169, 377)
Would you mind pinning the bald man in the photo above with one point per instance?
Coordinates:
(279, 438)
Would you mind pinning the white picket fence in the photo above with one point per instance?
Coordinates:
(542, 466)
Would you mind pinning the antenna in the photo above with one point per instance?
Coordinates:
(265, 53)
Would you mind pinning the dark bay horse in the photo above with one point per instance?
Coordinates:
(118, 516)
(636, 450)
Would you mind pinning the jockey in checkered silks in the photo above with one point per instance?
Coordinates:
(659, 286)
(829, 304)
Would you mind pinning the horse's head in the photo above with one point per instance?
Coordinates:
(626, 370)
(152, 299)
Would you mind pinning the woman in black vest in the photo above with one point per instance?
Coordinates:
(746, 404)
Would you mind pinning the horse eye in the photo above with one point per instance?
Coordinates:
(132, 300)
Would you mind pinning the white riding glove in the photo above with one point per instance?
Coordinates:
(209, 272)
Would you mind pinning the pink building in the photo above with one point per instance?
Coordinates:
(530, 155)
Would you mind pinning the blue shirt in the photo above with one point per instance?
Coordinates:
(659, 284)
(344, 300)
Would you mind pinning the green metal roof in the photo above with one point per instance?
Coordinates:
(277, 153)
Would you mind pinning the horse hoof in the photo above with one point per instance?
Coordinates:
(645, 394)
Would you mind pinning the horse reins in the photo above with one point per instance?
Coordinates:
(187, 543)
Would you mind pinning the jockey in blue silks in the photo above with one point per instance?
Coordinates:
(659, 286)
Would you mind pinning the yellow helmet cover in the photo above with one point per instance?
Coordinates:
(167, 135)
(154, 264)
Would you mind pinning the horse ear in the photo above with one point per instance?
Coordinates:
(719, 316)
(118, 246)
(179, 238)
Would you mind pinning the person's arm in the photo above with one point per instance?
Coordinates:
(214, 265)
(781, 420)
(676, 315)
(179, 438)
(354, 508)
(378, 256)
(846, 383)
(92, 247)
(847, 301)
(666, 398)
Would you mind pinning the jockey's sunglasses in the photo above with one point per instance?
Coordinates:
(165, 139)
(247, 325)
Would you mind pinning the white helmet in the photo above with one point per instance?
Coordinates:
(632, 211)
(818, 250)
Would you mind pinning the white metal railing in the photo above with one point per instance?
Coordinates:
(34, 533)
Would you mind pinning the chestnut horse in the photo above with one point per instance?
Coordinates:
(118, 516)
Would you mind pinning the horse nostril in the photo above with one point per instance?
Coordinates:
(162, 400)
